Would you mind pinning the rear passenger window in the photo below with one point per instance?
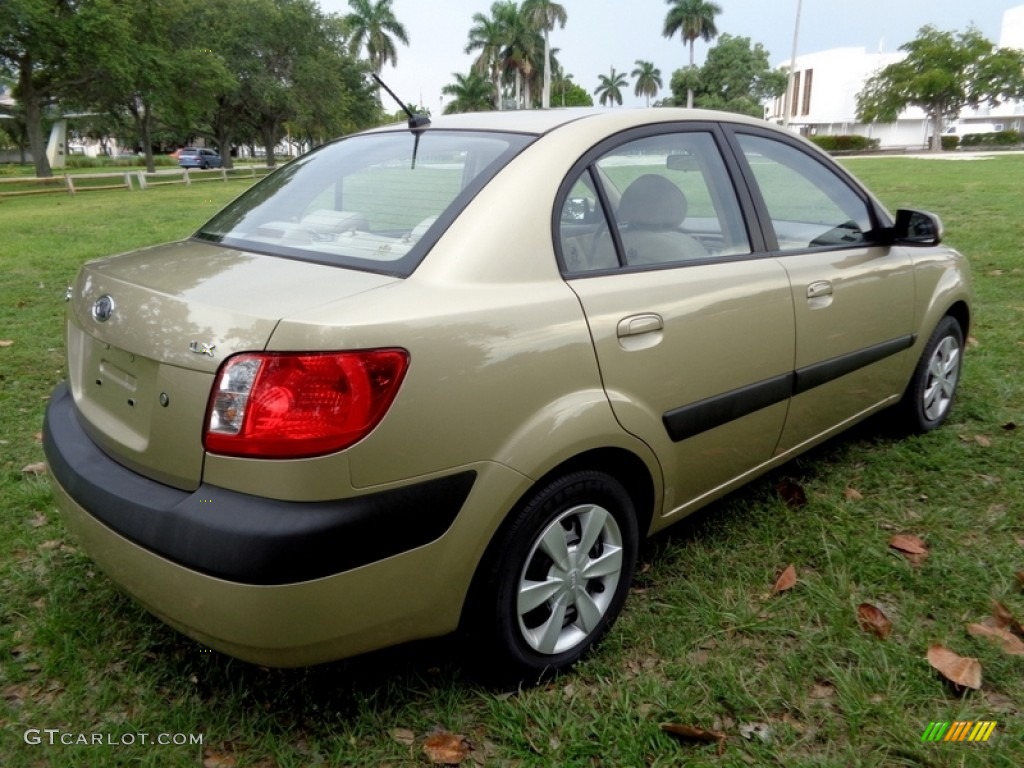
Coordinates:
(669, 201)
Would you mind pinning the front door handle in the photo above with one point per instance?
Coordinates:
(636, 325)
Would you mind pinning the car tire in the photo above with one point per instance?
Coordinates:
(929, 396)
(554, 579)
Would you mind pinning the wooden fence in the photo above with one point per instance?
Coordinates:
(73, 183)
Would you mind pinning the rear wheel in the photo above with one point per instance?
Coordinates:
(556, 579)
(932, 389)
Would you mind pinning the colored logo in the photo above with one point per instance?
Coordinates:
(961, 730)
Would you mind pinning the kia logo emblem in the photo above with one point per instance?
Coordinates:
(103, 309)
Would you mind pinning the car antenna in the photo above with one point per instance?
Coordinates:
(417, 123)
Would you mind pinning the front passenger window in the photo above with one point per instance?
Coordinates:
(809, 205)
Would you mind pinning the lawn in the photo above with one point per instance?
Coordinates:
(789, 677)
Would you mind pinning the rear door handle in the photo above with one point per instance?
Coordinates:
(818, 289)
(636, 325)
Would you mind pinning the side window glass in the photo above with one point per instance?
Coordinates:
(810, 206)
(673, 201)
(583, 229)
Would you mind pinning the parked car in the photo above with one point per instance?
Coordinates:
(446, 378)
(198, 157)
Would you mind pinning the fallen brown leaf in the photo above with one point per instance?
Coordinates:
(213, 759)
(786, 580)
(6, 343)
(823, 691)
(403, 736)
(693, 733)
(852, 494)
(1009, 426)
(962, 671)
(873, 619)
(37, 468)
(792, 493)
(1020, 577)
(983, 441)
(1006, 619)
(445, 748)
(912, 547)
(973, 342)
(1009, 642)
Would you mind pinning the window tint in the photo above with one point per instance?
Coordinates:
(670, 198)
(809, 204)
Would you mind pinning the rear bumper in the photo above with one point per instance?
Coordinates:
(237, 537)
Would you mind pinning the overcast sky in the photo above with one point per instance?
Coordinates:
(601, 34)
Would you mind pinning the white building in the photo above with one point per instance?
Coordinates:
(825, 87)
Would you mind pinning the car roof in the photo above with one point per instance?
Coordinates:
(538, 121)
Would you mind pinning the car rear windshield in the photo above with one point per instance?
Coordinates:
(376, 202)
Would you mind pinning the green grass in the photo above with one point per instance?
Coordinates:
(702, 641)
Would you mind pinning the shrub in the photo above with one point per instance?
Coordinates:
(124, 161)
(845, 143)
(82, 161)
(999, 138)
(950, 143)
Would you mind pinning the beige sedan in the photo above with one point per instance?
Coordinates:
(446, 377)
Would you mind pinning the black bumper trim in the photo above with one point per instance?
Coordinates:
(238, 537)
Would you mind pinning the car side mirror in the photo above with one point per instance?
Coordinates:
(576, 209)
(917, 228)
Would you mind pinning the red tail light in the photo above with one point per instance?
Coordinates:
(284, 405)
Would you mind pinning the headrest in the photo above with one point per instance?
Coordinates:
(654, 202)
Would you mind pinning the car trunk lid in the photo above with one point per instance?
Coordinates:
(146, 332)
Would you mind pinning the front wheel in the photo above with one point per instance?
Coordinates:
(557, 577)
(932, 389)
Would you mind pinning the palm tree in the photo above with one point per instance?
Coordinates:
(544, 14)
(648, 80)
(472, 92)
(522, 47)
(692, 19)
(610, 89)
(373, 24)
(486, 36)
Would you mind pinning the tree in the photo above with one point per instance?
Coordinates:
(567, 93)
(736, 77)
(522, 46)
(693, 19)
(472, 93)
(610, 88)
(648, 80)
(51, 48)
(331, 94)
(143, 85)
(290, 68)
(544, 15)
(942, 73)
(487, 37)
(373, 25)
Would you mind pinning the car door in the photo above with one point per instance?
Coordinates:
(693, 331)
(853, 298)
